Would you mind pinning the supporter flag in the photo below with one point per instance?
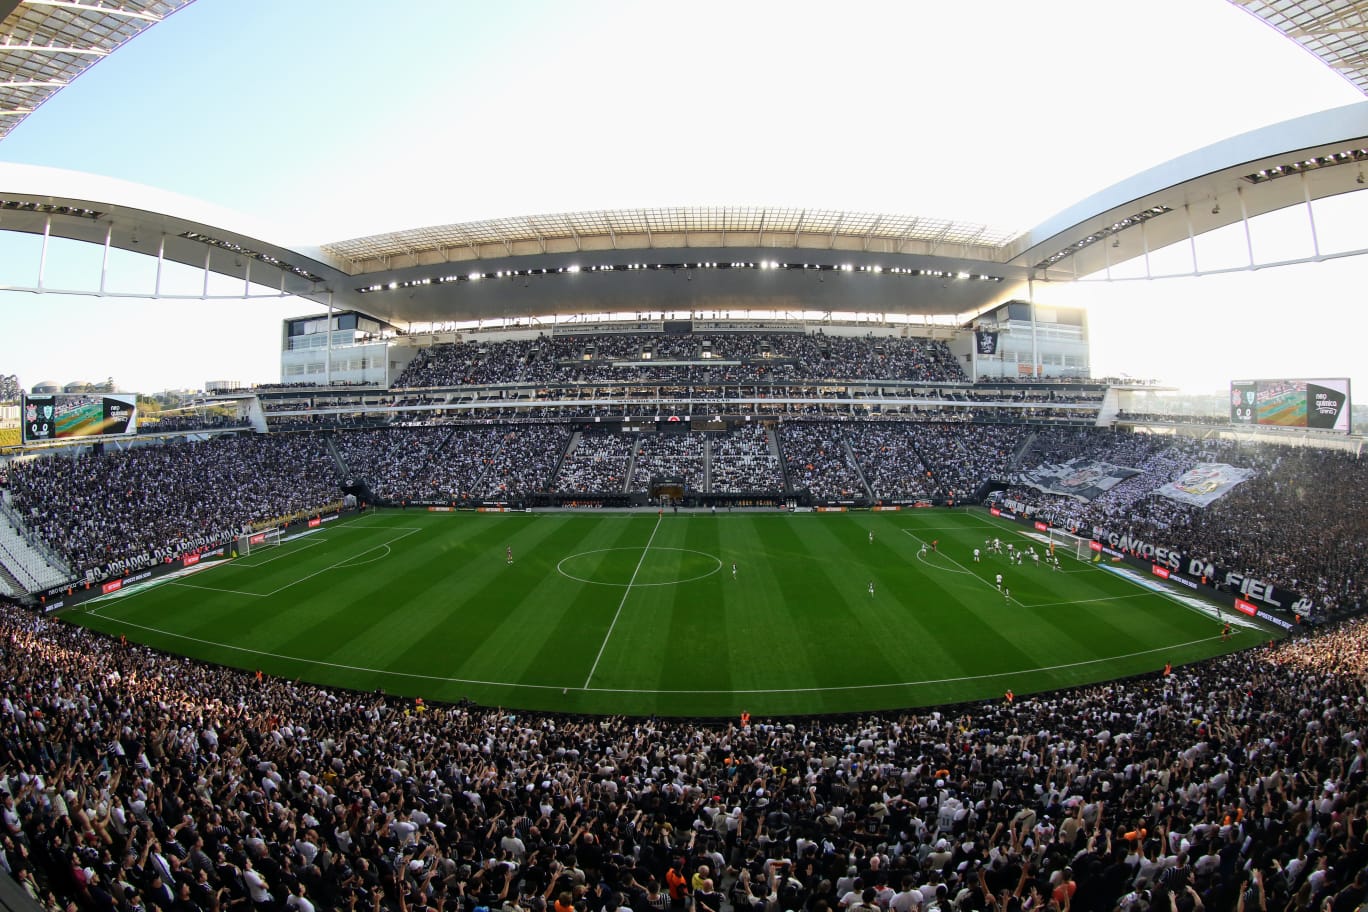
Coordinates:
(1204, 483)
(1081, 478)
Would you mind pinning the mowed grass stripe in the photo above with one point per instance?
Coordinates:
(796, 632)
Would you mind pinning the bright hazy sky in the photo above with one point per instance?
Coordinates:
(337, 118)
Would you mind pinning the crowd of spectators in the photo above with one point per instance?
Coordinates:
(447, 464)
(197, 421)
(675, 455)
(136, 781)
(889, 457)
(962, 457)
(1291, 524)
(743, 461)
(819, 461)
(148, 502)
(597, 464)
(701, 358)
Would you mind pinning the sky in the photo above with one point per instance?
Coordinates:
(335, 118)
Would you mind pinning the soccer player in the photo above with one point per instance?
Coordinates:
(733, 569)
(999, 582)
(508, 555)
(1035, 557)
(1225, 631)
(871, 536)
(1006, 595)
(935, 544)
(922, 552)
(871, 588)
(976, 555)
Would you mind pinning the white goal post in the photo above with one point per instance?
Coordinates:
(1076, 545)
(266, 538)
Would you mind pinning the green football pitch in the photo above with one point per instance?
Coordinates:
(641, 613)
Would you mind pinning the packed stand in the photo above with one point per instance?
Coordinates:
(819, 462)
(597, 465)
(103, 513)
(134, 780)
(888, 456)
(206, 421)
(962, 457)
(1291, 524)
(524, 460)
(394, 462)
(743, 461)
(761, 357)
(670, 455)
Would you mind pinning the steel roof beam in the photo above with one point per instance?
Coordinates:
(92, 8)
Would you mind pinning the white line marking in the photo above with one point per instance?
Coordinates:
(962, 568)
(629, 690)
(334, 566)
(560, 567)
(626, 592)
(284, 552)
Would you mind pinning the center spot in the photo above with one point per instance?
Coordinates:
(658, 567)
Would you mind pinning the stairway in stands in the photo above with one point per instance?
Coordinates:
(26, 560)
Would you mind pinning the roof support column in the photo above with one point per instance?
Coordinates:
(104, 262)
(327, 365)
(1030, 301)
(1192, 239)
(1244, 217)
(42, 255)
(1310, 214)
(208, 252)
(161, 258)
(1144, 240)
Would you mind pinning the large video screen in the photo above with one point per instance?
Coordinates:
(65, 415)
(1322, 404)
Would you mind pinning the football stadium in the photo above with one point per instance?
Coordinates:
(719, 558)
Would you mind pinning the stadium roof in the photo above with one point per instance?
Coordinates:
(45, 44)
(1336, 31)
(810, 228)
(411, 275)
(713, 259)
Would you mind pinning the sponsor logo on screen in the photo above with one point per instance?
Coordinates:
(112, 586)
(315, 523)
(1246, 607)
(257, 539)
(1161, 572)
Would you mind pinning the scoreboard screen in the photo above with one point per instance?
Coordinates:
(63, 416)
(1318, 404)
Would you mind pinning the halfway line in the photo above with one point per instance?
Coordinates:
(626, 592)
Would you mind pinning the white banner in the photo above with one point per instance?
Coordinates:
(1204, 483)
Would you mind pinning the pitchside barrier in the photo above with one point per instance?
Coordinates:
(66, 596)
(1247, 595)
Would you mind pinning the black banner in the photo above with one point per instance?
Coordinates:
(986, 341)
(1275, 603)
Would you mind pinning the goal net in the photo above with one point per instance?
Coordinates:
(266, 538)
(1069, 543)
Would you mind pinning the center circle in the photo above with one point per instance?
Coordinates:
(681, 565)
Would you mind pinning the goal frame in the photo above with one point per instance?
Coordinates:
(1077, 545)
(255, 541)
